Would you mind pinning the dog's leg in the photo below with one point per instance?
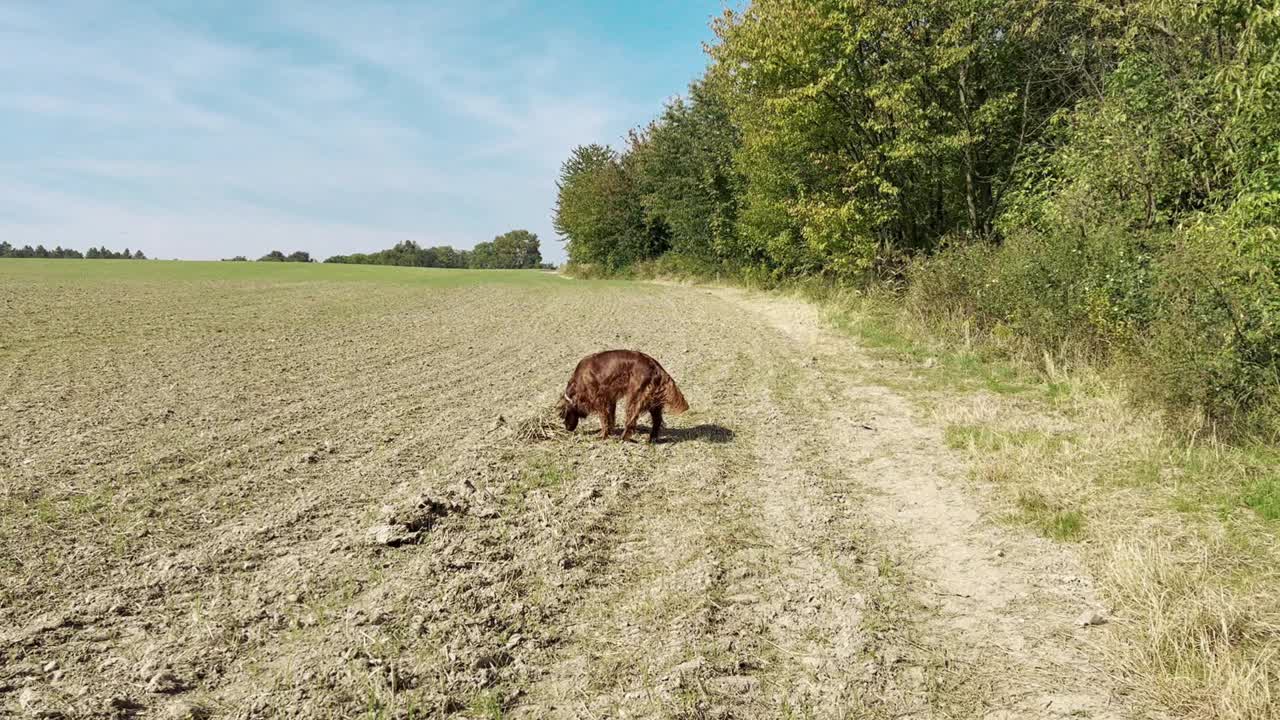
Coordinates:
(606, 419)
(655, 417)
(633, 414)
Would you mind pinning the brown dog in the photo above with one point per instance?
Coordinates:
(602, 379)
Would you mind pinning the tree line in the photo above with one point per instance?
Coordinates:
(1097, 179)
(518, 249)
(39, 251)
(277, 256)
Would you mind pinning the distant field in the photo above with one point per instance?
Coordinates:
(20, 273)
(108, 304)
(257, 490)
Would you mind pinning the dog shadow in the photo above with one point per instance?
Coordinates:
(706, 432)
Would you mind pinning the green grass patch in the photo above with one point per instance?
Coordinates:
(875, 328)
(65, 511)
(1064, 525)
(1050, 518)
(889, 570)
(1263, 495)
(1185, 503)
(1057, 391)
(1219, 479)
(1145, 470)
(984, 439)
(1260, 465)
(881, 327)
(540, 475)
(82, 272)
(486, 706)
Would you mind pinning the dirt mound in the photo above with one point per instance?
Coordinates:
(406, 524)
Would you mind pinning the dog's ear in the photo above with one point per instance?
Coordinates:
(565, 405)
(675, 401)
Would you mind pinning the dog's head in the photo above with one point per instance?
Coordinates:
(569, 412)
(675, 402)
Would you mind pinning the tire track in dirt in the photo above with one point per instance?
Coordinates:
(837, 614)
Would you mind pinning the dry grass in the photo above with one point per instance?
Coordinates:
(1180, 532)
(1187, 564)
(543, 426)
(1200, 639)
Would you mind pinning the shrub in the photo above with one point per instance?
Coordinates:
(1214, 351)
(1067, 291)
(587, 271)
(683, 267)
(948, 286)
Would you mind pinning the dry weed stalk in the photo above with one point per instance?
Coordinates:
(543, 426)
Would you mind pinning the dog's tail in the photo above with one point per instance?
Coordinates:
(675, 402)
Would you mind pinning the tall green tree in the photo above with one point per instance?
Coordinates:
(600, 211)
(872, 128)
(483, 257)
(447, 257)
(685, 174)
(517, 249)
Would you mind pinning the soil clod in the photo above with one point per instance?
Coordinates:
(1091, 617)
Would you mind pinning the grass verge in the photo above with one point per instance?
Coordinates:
(1181, 532)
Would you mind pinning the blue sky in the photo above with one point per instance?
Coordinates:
(202, 129)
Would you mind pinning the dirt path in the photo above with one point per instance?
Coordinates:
(804, 545)
(830, 563)
(1006, 602)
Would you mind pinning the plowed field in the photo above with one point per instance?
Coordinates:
(250, 491)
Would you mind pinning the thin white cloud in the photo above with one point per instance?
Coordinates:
(327, 127)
